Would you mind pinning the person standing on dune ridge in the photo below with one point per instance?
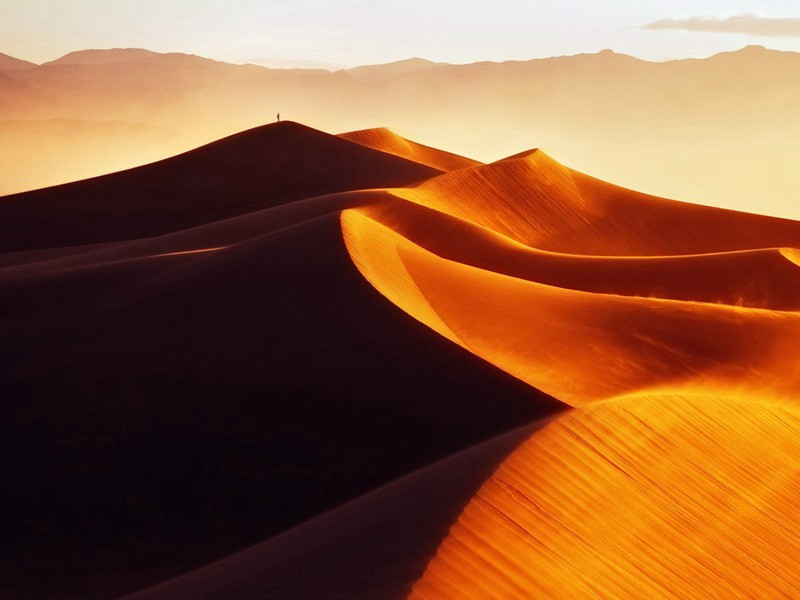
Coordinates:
(279, 117)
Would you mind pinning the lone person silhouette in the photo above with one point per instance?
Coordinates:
(279, 117)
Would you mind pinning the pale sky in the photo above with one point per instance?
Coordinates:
(337, 33)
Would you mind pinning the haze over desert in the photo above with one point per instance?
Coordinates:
(516, 321)
(720, 130)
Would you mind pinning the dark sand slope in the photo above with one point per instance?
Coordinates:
(374, 547)
(253, 170)
(211, 235)
(192, 404)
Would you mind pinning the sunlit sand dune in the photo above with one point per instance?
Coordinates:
(765, 278)
(534, 200)
(217, 347)
(657, 497)
(577, 346)
(387, 141)
(249, 171)
(672, 327)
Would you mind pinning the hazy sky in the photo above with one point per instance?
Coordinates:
(350, 32)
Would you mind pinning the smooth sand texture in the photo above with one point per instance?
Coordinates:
(386, 141)
(249, 171)
(374, 547)
(534, 200)
(303, 345)
(765, 278)
(578, 346)
(193, 393)
(260, 384)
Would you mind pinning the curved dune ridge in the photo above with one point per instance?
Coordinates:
(386, 140)
(534, 200)
(365, 306)
(580, 347)
(249, 171)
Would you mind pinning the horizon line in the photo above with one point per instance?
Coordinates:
(434, 63)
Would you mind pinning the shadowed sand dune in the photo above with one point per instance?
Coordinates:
(260, 382)
(249, 171)
(412, 515)
(597, 345)
(305, 319)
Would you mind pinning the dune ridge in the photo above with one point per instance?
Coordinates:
(385, 140)
(580, 347)
(535, 200)
(243, 173)
(763, 278)
(196, 437)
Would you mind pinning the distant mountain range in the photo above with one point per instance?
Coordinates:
(721, 130)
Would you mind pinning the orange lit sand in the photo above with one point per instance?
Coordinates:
(578, 346)
(649, 497)
(673, 329)
(387, 141)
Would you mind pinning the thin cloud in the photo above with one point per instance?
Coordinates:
(749, 24)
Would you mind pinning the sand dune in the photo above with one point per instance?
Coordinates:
(578, 346)
(765, 278)
(586, 328)
(666, 497)
(534, 200)
(677, 474)
(252, 170)
(386, 141)
(257, 363)
(291, 321)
